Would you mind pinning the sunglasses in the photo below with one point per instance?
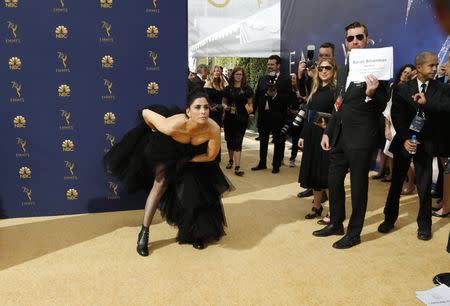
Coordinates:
(359, 37)
(321, 68)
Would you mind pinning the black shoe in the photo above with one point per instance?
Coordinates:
(142, 243)
(198, 244)
(276, 170)
(435, 194)
(305, 193)
(424, 235)
(259, 167)
(347, 242)
(442, 278)
(329, 230)
(385, 227)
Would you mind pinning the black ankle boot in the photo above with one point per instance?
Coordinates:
(142, 243)
(198, 244)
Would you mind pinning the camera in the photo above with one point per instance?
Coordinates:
(310, 63)
(301, 116)
(271, 81)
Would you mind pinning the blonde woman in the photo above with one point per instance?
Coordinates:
(214, 87)
(315, 161)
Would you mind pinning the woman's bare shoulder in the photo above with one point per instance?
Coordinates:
(213, 126)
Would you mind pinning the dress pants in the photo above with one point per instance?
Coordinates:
(423, 168)
(264, 128)
(358, 161)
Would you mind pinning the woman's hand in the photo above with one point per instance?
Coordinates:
(301, 143)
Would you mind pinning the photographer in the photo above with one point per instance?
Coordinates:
(272, 95)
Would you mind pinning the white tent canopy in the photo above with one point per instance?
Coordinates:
(234, 28)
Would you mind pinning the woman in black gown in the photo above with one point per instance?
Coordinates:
(238, 104)
(172, 155)
(315, 161)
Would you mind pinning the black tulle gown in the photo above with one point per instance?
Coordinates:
(192, 200)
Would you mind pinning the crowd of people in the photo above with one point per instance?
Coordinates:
(338, 125)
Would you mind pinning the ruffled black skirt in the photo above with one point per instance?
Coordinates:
(192, 199)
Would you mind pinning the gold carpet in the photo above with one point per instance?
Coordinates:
(268, 256)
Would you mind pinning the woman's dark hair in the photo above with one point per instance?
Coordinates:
(244, 78)
(400, 71)
(195, 94)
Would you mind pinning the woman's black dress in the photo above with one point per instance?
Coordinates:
(215, 102)
(236, 119)
(192, 200)
(315, 161)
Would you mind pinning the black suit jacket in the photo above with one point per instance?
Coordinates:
(279, 104)
(197, 83)
(357, 121)
(404, 109)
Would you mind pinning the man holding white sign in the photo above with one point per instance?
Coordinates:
(351, 138)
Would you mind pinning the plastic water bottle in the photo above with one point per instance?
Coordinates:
(414, 141)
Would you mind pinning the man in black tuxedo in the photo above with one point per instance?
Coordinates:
(404, 112)
(198, 82)
(272, 96)
(353, 131)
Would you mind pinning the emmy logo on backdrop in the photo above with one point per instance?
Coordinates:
(18, 87)
(153, 58)
(152, 32)
(111, 138)
(66, 115)
(70, 166)
(23, 147)
(61, 9)
(155, 8)
(108, 85)
(106, 3)
(107, 27)
(114, 189)
(28, 193)
(63, 59)
(14, 40)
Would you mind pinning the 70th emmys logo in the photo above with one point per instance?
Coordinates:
(108, 85)
(25, 173)
(61, 32)
(19, 122)
(71, 167)
(72, 194)
(106, 3)
(114, 190)
(62, 57)
(67, 145)
(153, 61)
(66, 115)
(14, 40)
(62, 7)
(23, 147)
(11, 3)
(15, 63)
(111, 139)
(155, 8)
(18, 88)
(107, 27)
(28, 193)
